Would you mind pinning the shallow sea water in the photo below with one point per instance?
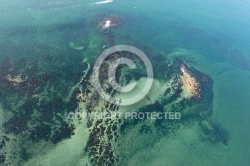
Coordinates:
(215, 35)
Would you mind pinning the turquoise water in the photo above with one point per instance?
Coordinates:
(226, 23)
(210, 28)
(206, 26)
(217, 33)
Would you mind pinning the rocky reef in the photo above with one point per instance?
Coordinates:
(35, 100)
(38, 92)
(182, 89)
(107, 21)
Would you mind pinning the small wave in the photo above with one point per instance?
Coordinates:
(103, 2)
